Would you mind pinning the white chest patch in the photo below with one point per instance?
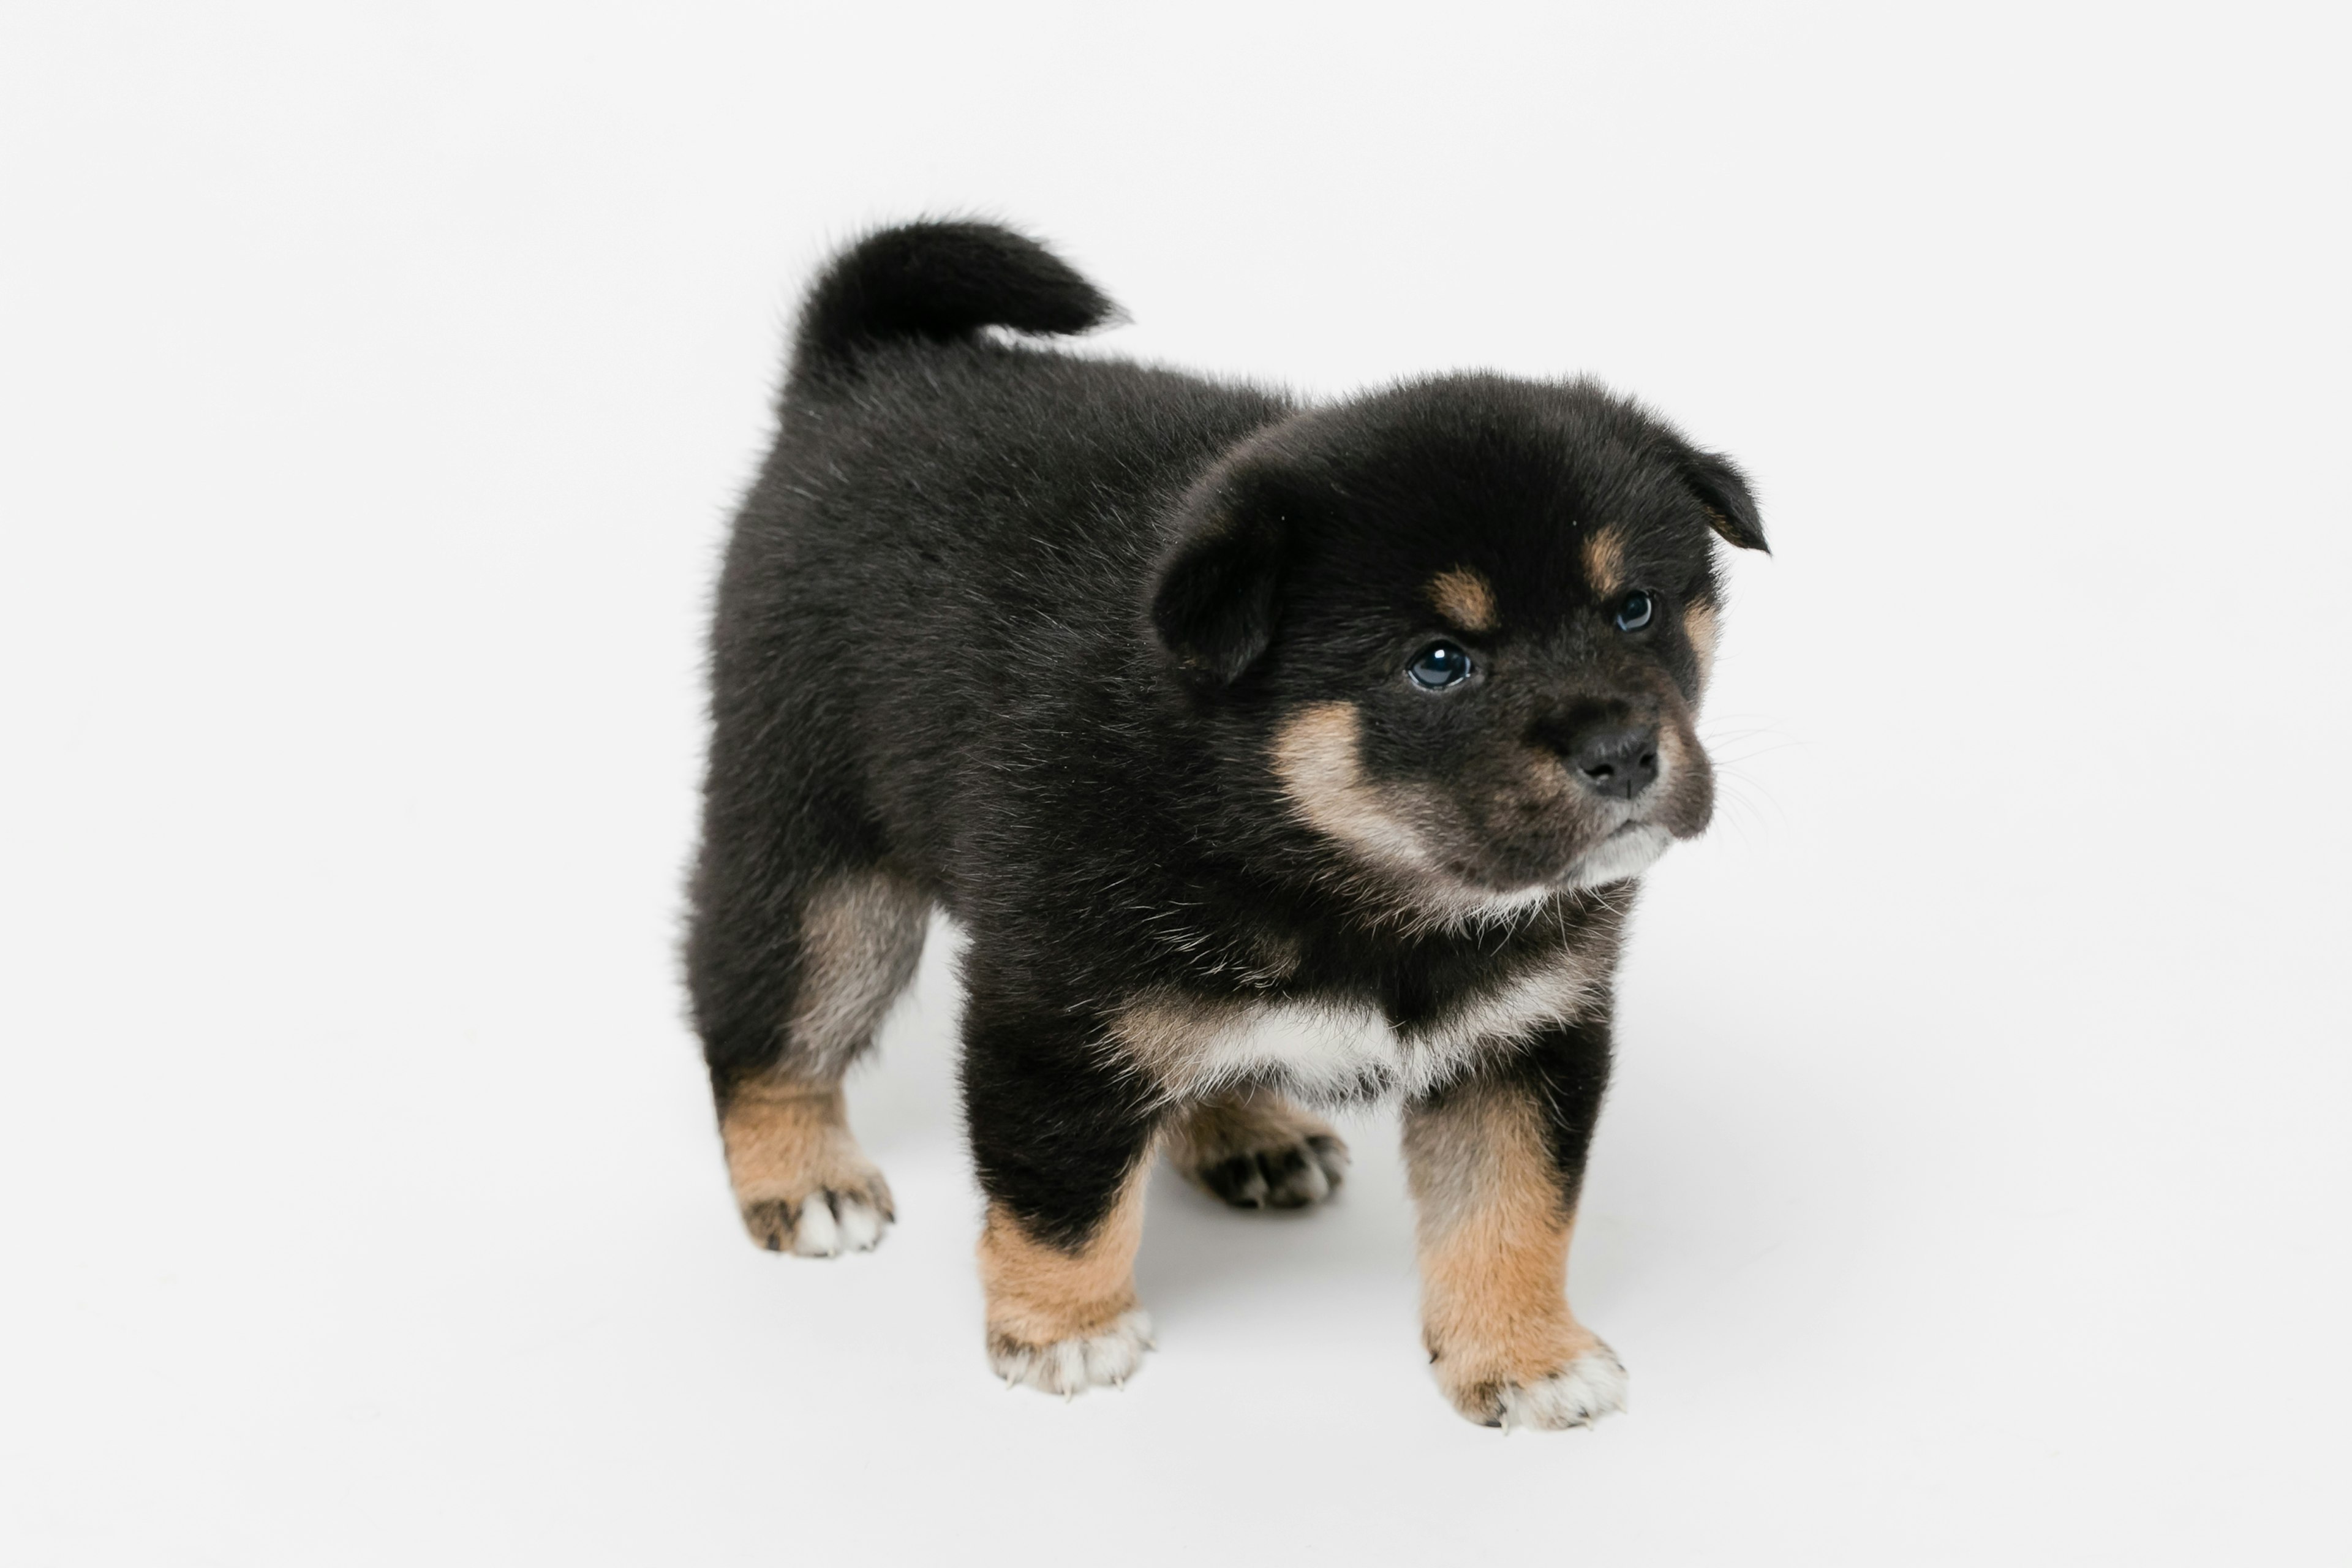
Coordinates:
(1196, 1046)
(1330, 1049)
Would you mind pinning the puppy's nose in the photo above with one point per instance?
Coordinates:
(1618, 761)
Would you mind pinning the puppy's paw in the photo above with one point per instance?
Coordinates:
(1577, 1395)
(802, 1183)
(1107, 1357)
(1259, 1151)
(1293, 1175)
(825, 1223)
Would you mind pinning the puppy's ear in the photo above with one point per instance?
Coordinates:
(1730, 505)
(1216, 596)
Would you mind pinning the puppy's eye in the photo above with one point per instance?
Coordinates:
(1439, 665)
(1635, 612)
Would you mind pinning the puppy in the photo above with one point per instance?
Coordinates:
(1269, 753)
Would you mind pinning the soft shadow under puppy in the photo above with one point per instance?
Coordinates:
(1199, 1249)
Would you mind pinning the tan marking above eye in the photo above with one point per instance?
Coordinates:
(1604, 561)
(1466, 598)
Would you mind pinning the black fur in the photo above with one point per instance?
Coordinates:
(1055, 1127)
(1022, 629)
(1563, 1072)
(941, 282)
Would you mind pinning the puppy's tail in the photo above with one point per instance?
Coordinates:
(941, 282)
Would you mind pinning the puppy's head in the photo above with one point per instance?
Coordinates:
(1464, 626)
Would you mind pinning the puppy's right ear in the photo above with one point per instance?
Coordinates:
(1217, 594)
(1723, 490)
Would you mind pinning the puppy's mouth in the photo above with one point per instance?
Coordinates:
(1629, 851)
(1626, 851)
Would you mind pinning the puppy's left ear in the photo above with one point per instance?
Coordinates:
(1730, 505)
(1214, 599)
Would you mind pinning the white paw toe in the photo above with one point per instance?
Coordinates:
(1102, 1359)
(1591, 1387)
(859, 1223)
(826, 1224)
(817, 1235)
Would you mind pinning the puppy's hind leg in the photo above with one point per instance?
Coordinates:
(802, 1183)
(1254, 1149)
(792, 966)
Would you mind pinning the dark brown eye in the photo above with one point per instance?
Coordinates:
(1439, 665)
(1635, 612)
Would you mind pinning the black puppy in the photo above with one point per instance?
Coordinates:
(1266, 752)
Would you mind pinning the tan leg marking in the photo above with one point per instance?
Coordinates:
(1064, 1320)
(1493, 1237)
(1700, 624)
(1604, 561)
(801, 1181)
(1255, 1150)
(1466, 598)
(861, 938)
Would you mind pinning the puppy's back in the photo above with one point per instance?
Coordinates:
(949, 541)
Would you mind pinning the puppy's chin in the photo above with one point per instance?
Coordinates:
(1628, 852)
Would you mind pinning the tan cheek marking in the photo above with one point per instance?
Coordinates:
(1494, 1238)
(1673, 749)
(1464, 597)
(1315, 757)
(1701, 625)
(1604, 561)
(1038, 1293)
(1686, 776)
(785, 1142)
(1316, 761)
(861, 938)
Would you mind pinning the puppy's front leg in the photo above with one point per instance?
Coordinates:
(1494, 1161)
(1062, 1141)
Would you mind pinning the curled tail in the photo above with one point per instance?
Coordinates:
(940, 281)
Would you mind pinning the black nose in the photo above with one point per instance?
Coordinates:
(1616, 759)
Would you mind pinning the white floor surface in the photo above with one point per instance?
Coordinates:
(377, 379)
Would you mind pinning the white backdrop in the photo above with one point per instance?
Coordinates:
(377, 381)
